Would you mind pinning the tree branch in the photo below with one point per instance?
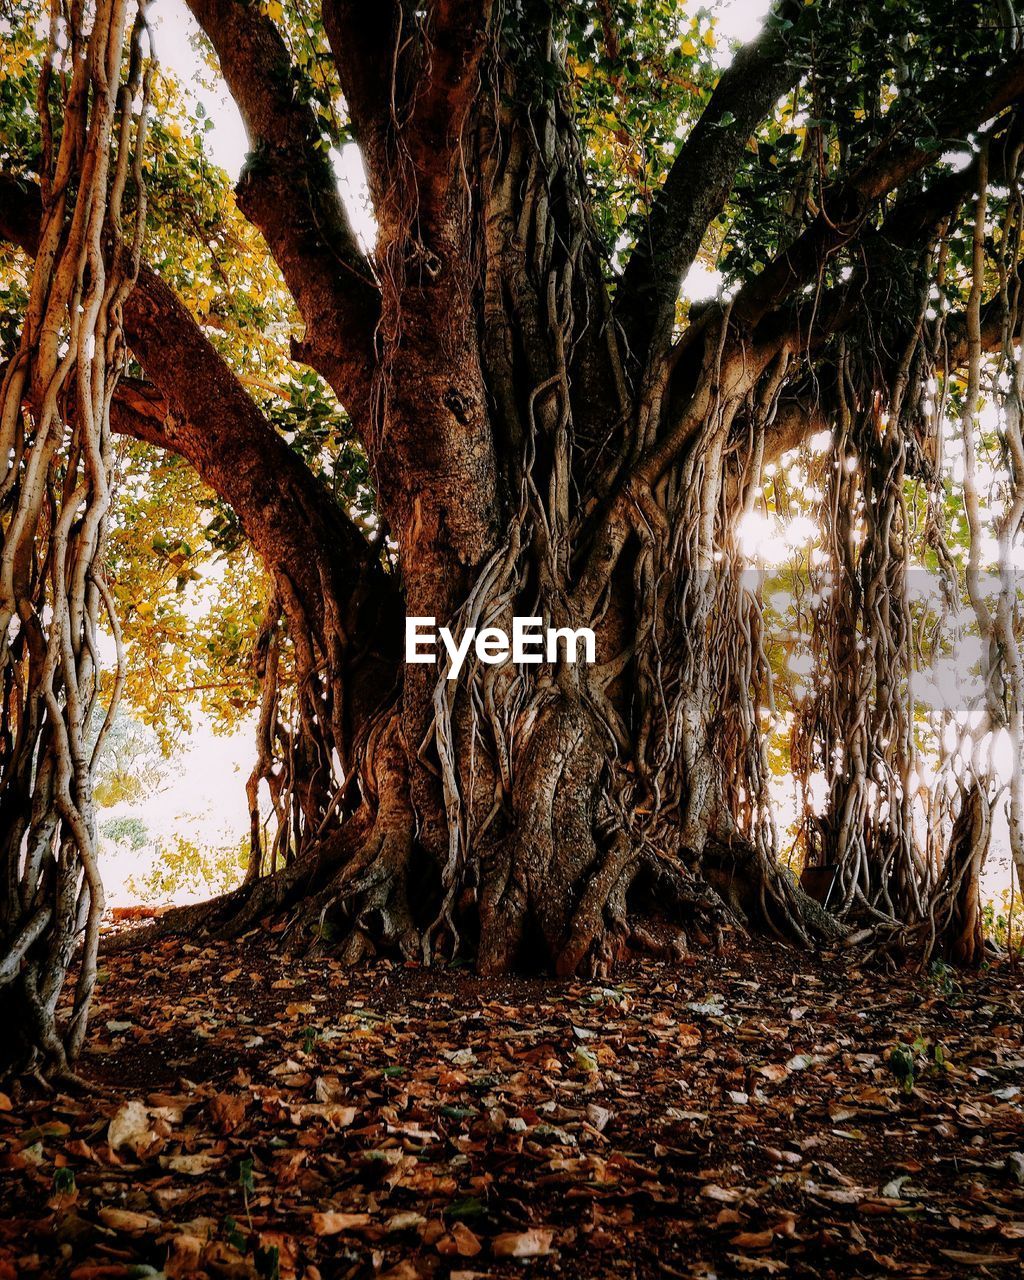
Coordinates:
(289, 191)
(201, 411)
(365, 41)
(845, 206)
(795, 421)
(409, 82)
(454, 40)
(702, 174)
(914, 220)
(140, 412)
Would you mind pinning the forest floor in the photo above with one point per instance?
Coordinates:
(756, 1112)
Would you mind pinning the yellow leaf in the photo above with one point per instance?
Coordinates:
(332, 1223)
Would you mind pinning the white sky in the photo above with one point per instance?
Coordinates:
(202, 799)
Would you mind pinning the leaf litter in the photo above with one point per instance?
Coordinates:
(279, 1119)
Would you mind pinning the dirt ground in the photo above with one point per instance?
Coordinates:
(755, 1112)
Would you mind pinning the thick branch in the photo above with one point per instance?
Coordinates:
(916, 218)
(409, 81)
(701, 176)
(315, 553)
(365, 40)
(138, 410)
(454, 39)
(794, 422)
(289, 191)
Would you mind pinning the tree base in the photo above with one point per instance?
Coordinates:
(359, 896)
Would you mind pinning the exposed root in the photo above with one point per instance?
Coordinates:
(370, 888)
(372, 893)
(766, 897)
(231, 914)
(560, 881)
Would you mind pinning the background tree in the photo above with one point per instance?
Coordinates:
(544, 428)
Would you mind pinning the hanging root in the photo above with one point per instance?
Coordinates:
(56, 472)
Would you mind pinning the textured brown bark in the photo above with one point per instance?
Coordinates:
(288, 191)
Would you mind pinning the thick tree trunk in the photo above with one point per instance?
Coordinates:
(538, 817)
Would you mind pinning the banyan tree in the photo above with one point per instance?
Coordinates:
(548, 427)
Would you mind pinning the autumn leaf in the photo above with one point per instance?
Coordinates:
(129, 1223)
(228, 1110)
(534, 1243)
(332, 1223)
(132, 1128)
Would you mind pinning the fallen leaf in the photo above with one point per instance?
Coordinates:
(131, 1127)
(753, 1239)
(535, 1243)
(228, 1110)
(132, 1224)
(467, 1245)
(724, 1195)
(183, 1256)
(977, 1259)
(196, 1165)
(332, 1223)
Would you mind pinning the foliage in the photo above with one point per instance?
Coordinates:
(908, 1062)
(1004, 921)
(183, 868)
(640, 76)
(190, 596)
(129, 831)
(131, 767)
